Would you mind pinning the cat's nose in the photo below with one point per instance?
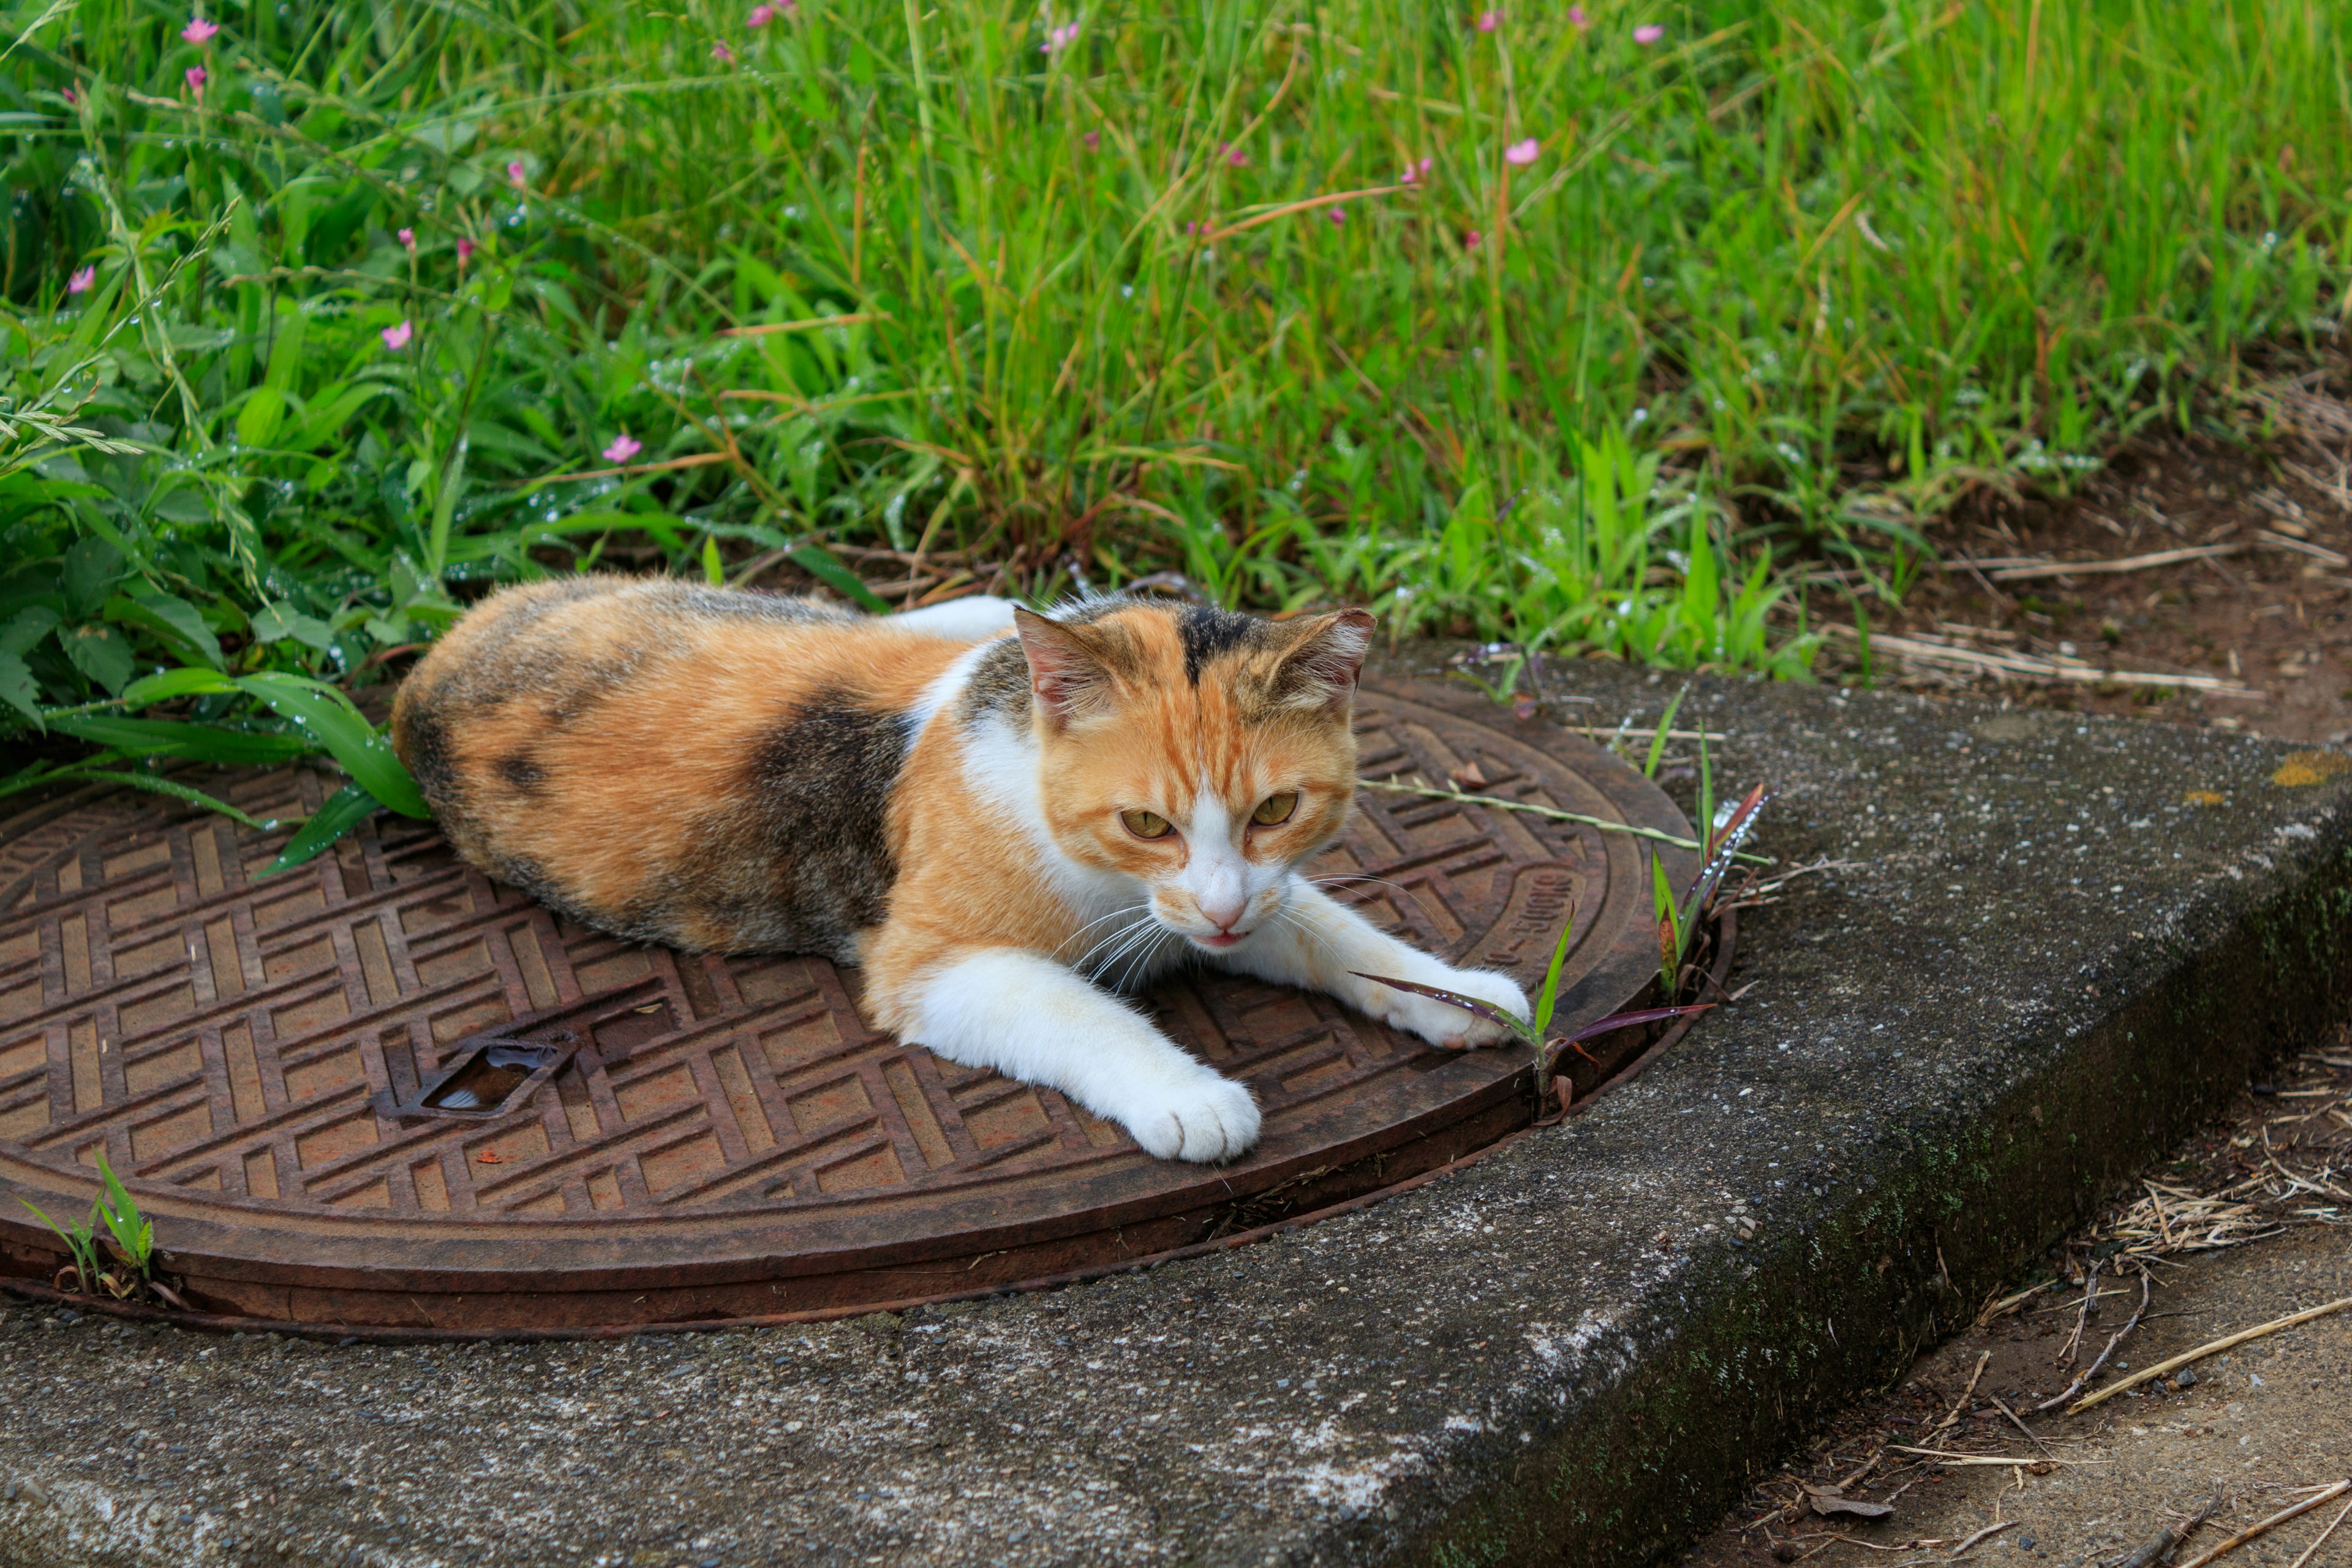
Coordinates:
(1224, 912)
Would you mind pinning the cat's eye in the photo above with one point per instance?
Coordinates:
(1145, 824)
(1275, 808)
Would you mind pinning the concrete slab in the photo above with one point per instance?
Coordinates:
(2050, 946)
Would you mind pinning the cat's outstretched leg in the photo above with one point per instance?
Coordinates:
(1030, 1019)
(1325, 946)
(967, 619)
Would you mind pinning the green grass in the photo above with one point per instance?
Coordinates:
(1777, 285)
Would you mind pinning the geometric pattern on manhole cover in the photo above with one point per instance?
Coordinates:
(729, 1134)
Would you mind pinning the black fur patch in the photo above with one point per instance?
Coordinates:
(802, 862)
(425, 750)
(1210, 632)
(524, 775)
(999, 684)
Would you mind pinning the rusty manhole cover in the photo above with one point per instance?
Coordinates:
(639, 1136)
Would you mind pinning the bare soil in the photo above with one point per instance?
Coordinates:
(2273, 615)
(2246, 1224)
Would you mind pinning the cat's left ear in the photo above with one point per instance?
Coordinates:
(1320, 669)
(1070, 672)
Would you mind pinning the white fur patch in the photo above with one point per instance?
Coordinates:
(1030, 1019)
(946, 688)
(967, 619)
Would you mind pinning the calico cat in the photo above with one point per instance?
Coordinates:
(1003, 830)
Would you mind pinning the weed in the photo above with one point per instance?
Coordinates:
(318, 321)
(114, 1218)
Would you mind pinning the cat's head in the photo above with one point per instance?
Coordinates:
(1203, 753)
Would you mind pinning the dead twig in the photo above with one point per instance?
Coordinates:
(1989, 1530)
(2252, 1530)
(2026, 571)
(1935, 652)
(2020, 1425)
(1994, 1311)
(1534, 810)
(2186, 1358)
(2153, 1549)
(1946, 1457)
(1954, 1413)
(2092, 1369)
(2312, 1549)
(2090, 1294)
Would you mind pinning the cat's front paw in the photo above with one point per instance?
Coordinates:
(1442, 1023)
(1197, 1116)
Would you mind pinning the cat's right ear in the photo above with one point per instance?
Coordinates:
(1068, 675)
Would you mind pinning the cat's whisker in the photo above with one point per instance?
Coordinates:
(1307, 928)
(1143, 931)
(1139, 966)
(1128, 911)
(1134, 915)
(1351, 877)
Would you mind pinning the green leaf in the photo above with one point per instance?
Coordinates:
(186, 504)
(820, 564)
(285, 353)
(26, 628)
(273, 623)
(1549, 996)
(329, 414)
(17, 690)
(1658, 741)
(1672, 941)
(170, 617)
(101, 653)
(257, 421)
(93, 567)
(150, 782)
(349, 807)
(714, 565)
(80, 1244)
(165, 685)
(353, 741)
(134, 1232)
(173, 738)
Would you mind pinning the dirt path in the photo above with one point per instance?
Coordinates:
(2246, 1224)
(2260, 604)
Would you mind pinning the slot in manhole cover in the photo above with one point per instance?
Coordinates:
(383, 1090)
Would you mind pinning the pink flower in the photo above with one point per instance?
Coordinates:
(1093, 139)
(624, 446)
(81, 282)
(70, 95)
(1489, 20)
(408, 239)
(196, 77)
(1577, 18)
(1522, 152)
(1416, 172)
(760, 16)
(465, 251)
(396, 338)
(722, 53)
(1470, 240)
(1234, 155)
(1339, 213)
(1191, 229)
(199, 31)
(516, 175)
(1648, 33)
(1060, 39)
